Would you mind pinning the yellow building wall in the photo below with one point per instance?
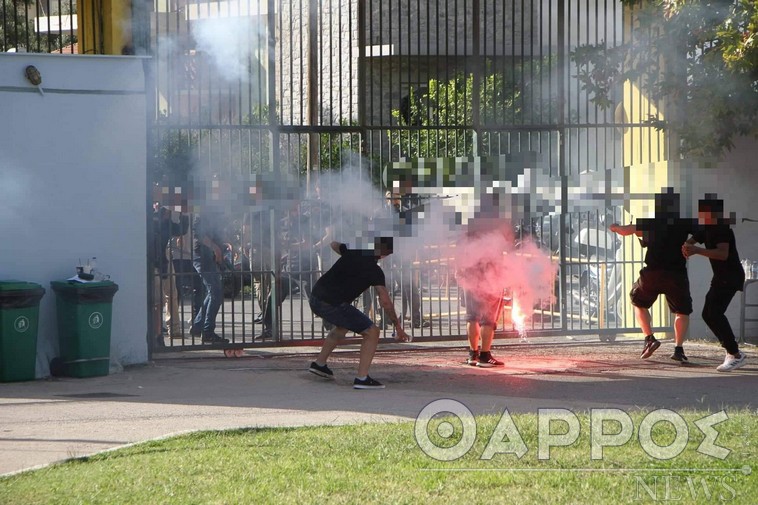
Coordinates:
(105, 26)
(647, 171)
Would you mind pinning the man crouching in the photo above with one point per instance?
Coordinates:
(331, 299)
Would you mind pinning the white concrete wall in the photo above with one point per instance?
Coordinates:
(735, 180)
(73, 185)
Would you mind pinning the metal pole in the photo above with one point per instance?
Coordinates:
(141, 37)
(274, 153)
(477, 75)
(276, 273)
(560, 43)
(313, 148)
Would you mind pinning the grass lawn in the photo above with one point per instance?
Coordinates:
(382, 463)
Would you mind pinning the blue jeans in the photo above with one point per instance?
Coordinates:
(209, 272)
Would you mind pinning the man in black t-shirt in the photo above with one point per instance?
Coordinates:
(728, 274)
(331, 299)
(665, 270)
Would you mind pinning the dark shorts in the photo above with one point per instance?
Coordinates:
(674, 284)
(483, 310)
(343, 315)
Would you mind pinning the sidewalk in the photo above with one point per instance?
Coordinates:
(50, 420)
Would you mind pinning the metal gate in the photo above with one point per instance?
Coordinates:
(263, 106)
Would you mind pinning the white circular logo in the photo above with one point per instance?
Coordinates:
(95, 320)
(21, 324)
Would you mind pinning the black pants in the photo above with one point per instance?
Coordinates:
(284, 287)
(716, 302)
(188, 281)
(411, 293)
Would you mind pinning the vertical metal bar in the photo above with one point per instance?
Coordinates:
(409, 50)
(331, 59)
(141, 19)
(272, 69)
(27, 44)
(561, 105)
(380, 40)
(313, 154)
(4, 43)
(350, 112)
(477, 71)
(366, 85)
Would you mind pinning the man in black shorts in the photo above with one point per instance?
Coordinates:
(728, 274)
(331, 299)
(665, 270)
(482, 312)
(478, 272)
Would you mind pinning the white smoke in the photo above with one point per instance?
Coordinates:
(232, 44)
(358, 209)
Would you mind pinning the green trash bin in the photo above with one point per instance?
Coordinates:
(19, 316)
(84, 313)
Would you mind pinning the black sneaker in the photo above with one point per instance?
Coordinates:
(487, 361)
(473, 358)
(212, 338)
(679, 355)
(321, 371)
(367, 383)
(651, 344)
(195, 331)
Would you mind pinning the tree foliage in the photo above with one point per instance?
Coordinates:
(441, 113)
(701, 56)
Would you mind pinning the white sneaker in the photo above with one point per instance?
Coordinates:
(730, 362)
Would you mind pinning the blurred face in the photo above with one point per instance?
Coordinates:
(707, 217)
(382, 249)
(667, 204)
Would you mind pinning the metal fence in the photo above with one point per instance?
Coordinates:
(255, 101)
(43, 26)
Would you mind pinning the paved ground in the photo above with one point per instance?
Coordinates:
(49, 420)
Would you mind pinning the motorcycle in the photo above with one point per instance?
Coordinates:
(600, 255)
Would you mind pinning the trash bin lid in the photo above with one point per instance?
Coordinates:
(85, 292)
(13, 285)
(20, 294)
(75, 285)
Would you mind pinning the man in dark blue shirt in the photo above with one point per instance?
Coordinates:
(665, 271)
(331, 299)
(728, 274)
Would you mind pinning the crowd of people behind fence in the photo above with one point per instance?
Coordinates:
(207, 256)
(284, 250)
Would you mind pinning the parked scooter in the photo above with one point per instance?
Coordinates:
(599, 276)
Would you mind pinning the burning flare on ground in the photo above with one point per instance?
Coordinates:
(488, 261)
(518, 317)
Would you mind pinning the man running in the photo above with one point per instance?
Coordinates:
(331, 299)
(665, 270)
(728, 274)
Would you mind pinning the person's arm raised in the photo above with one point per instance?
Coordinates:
(625, 229)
